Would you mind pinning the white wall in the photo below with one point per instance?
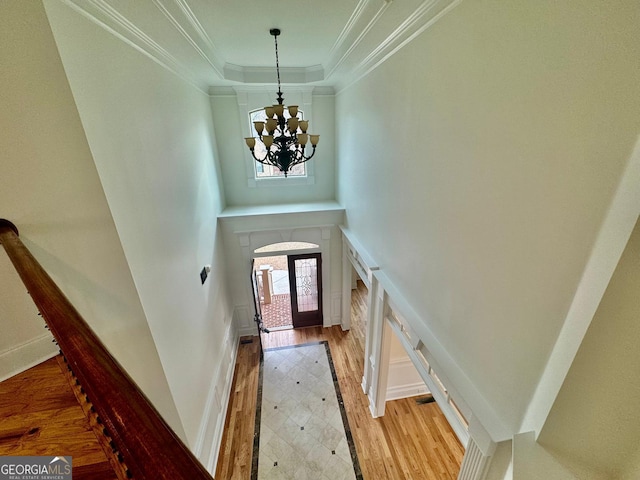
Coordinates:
(228, 125)
(501, 465)
(24, 341)
(50, 189)
(531, 461)
(493, 145)
(595, 417)
(403, 380)
(244, 232)
(151, 135)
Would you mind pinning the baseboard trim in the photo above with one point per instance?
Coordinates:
(27, 355)
(404, 380)
(248, 331)
(406, 391)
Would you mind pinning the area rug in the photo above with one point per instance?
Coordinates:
(301, 430)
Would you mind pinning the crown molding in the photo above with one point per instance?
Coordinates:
(221, 91)
(272, 89)
(297, 75)
(336, 58)
(215, 64)
(327, 91)
(108, 18)
(232, 91)
(195, 23)
(423, 17)
(349, 26)
(355, 53)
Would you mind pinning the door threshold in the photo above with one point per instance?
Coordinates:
(284, 327)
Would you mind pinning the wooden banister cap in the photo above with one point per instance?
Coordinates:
(4, 223)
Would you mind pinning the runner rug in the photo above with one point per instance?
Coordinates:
(302, 430)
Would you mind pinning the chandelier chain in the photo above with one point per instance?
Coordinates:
(275, 38)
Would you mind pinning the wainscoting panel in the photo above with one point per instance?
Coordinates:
(210, 435)
(243, 319)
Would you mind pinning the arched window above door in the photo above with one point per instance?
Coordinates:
(285, 246)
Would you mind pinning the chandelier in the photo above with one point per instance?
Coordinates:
(284, 138)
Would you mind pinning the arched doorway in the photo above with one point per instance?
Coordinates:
(288, 285)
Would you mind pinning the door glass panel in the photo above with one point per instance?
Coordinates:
(306, 270)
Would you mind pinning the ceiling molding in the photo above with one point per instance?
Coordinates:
(334, 62)
(423, 17)
(271, 89)
(105, 16)
(295, 75)
(213, 62)
(401, 35)
(357, 13)
(369, 37)
(221, 91)
(324, 91)
(195, 23)
(232, 91)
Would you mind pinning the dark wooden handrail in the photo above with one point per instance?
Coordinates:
(149, 447)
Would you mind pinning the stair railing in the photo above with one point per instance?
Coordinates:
(141, 438)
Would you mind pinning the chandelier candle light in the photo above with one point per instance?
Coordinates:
(284, 138)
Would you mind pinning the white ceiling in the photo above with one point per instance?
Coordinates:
(215, 43)
(240, 29)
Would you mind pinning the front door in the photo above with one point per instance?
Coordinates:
(256, 305)
(305, 284)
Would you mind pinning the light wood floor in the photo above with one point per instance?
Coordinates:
(410, 442)
(40, 415)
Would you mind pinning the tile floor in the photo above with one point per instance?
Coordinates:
(302, 424)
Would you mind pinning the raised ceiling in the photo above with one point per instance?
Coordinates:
(226, 42)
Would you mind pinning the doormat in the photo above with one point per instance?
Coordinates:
(301, 428)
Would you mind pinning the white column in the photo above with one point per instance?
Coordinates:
(380, 346)
(266, 283)
(346, 290)
(478, 454)
(368, 336)
(325, 248)
(474, 463)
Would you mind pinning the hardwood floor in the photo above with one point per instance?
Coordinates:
(234, 459)
(410, 442)
(39, 415)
